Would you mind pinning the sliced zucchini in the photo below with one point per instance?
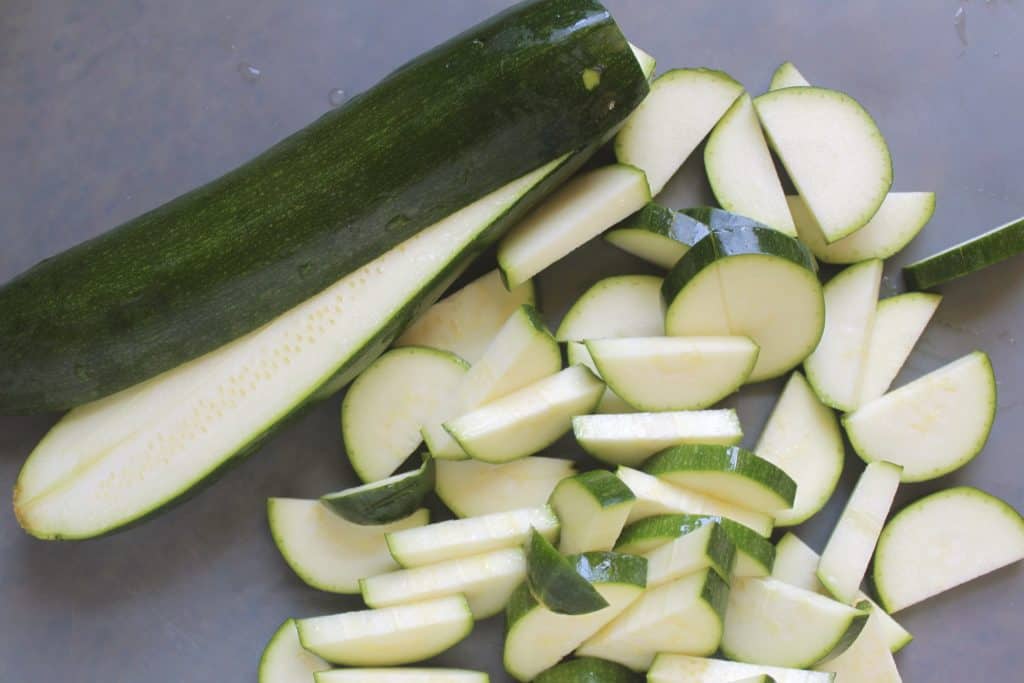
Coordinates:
(647, 62)
(720, 219)
(384, 501)
(669, 668)
(466, 321)
(898, 220)
(407, 675)
(537, 638)
(942, 541)
(684, 615)
(554, 582)
(485, 580)
(774, 623)
(802, 438)
(833, 152)
(522, 353)
(472, 488)
(529, 420)
(576, 213)
(852, 543)
(285, 661)
(457, 538)
(741, 171)
(836, 367)
(979, 252)
(729, 473)
(631, 439)
(588, 670)
(312, 539)
(655, 497)
(899, 323)
(681, 109)
(576, 354)
(797, 564)
(592, 508)
(673, 373)
(386, 406)
(787, 76)
(617, 306)
(718, 288)
(657, 234)
(705, 547)
(754, 554)
(933, 425)
(390, 636)
(867, 660)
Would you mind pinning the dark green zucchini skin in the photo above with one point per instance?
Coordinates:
(967, 257)
(589, 670)
(554, 582)
(440, 132)
(670, 223)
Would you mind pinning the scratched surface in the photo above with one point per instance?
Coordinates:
(110, 107)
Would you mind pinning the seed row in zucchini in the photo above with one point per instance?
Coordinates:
(384, 501)
(657, 234)
(554, 582)
(632, 438)
(592, 508)
(965, 258)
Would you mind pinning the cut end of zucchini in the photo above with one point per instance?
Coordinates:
(284, 660)
(384, 501)
(554, 582)
(657, 234)
(632, 438)
(787, 76)
(471, 488)
(618, 306)
(592, 508)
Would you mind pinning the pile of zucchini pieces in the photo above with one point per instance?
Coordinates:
(659, 559)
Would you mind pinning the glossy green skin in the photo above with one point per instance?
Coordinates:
(605, 487)
(554, 582)
(589, 670)
(490, 105)
(720, 219)
(716, 593)
(965, 258)
(385, 501)
(724, 459)
(666, 222)
(644, 535)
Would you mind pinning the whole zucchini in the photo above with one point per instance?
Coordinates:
(444, 130)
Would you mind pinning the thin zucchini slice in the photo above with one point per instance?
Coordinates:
(537, 638)
(388, 637)
(466, 321)
(836, 367)
(384, 501)
(868, 660)
(576, 354)
(485, 580)
(588, 670)
(684, 615)
(852, 543)
(718, 288)
(521, 353)
(630, 439)
(457, 538)
(729, 473)
(578, 212)
(669, 668)
(932, 426)
(617, 306)
(529, 420)
(673, 373)
(741, 171)
(471, 488)
(802, 438)
(406, 675)
(681, 109)
(833, 152)
(386, 406)
(657, 234)
(774, 623)
(899, 323)
(998, 244)
(592, 508)
(554, 583)
(328, 552)
(285, 661)
(787, 76)
(705, 547)
(943, 541)
(655, 497)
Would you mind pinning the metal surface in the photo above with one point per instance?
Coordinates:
(108, 108)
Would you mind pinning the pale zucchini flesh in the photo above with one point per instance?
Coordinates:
(617, 306)
(611, 403)
(707, 547)
(400, 675)
(629, 439)
(285, 661)
(868, 660)
(787, 76)
(671, 668)
(899, 323)
(471, 488)
(592, 508)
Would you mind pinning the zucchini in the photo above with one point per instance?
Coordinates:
(314, 541)
(285, 661)
(942, 541)
(384, 501)
(670, 668)
(576, 354)
(386, 406)
(646, 61)
(554, 582)
(438, 134)
(787, 76)
(406, 675)
(471, 488)
(868, 660)
(657, 234)
(899, 323)
(390, 636)
(466, 321)
(617, 306)
(588, 670)
(592, 508)
(718, 288)
(720, 219)
(704, 547)
(998, 244)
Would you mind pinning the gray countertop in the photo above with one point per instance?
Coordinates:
(111, 107)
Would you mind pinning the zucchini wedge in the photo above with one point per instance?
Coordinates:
(657, 234)
(670, 668)
(384, 501)
(998, 244)
(554, 582)
(588, 670)
(285, 661)
(442, 132)
(471, 488)
(592, 508)
(899, 323)
(400, 675)
(787, 76)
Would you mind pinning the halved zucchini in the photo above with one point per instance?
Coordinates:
(899, 323)
(670, 668)
(657, 234)
(592, 508)
(285, 661)
(632, 438)
(554, 582)
(471, 488)
(384, 501)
